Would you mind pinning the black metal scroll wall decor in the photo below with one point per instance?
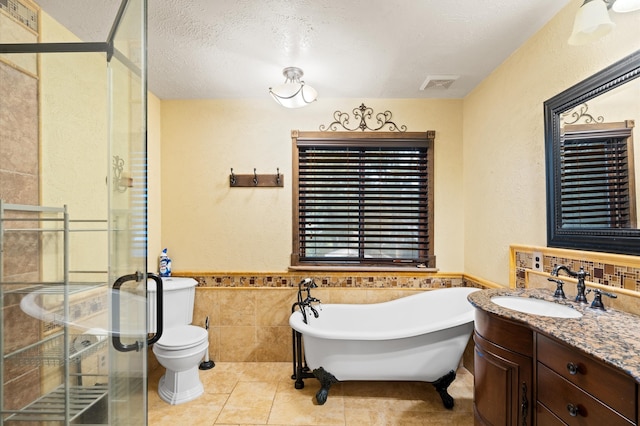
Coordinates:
(580, 113)
(365, 115)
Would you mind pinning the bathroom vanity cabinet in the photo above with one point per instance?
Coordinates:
(503, 371)
(523, 377)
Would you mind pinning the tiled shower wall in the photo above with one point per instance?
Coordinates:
(19, 174)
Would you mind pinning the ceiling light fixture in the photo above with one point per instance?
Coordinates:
(592, 20)
(622, 6)
(293, 93)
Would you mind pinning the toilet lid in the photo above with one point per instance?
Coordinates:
(185, 337)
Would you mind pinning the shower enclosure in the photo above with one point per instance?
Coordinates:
(73, 220)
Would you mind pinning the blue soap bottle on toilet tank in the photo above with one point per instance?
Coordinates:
(164, 264)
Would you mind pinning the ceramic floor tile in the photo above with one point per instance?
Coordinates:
(249, 403)
(220, 380)
(202, 411)
(390, 396)
(406, 418)
(266, 371)
(262, 393)
(298, 407)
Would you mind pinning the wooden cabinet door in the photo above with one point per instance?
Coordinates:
(502, 385)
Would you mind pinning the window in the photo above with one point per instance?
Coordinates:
(597, 181)
(363, 198)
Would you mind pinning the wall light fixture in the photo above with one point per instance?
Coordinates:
(593, 21)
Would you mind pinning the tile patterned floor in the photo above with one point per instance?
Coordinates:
(262, 393)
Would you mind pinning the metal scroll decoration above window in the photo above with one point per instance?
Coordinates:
(580, 113)
(365, 115)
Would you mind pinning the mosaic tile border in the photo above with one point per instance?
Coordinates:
(609, 272)
(329, 280)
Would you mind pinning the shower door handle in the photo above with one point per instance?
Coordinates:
(159, 306)
(115, 311)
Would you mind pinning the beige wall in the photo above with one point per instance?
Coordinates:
(490, 178)
(73, 158)
(504, 176)
(74, 127)
(154, 194)
(209, 227)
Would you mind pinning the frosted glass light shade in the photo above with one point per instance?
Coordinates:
(293, 93)
(592, 22)
(622, 6)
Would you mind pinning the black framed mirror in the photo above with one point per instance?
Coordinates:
(593, 186)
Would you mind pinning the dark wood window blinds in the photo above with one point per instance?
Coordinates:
(364, 201)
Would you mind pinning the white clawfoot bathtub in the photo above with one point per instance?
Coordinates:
(415, 338)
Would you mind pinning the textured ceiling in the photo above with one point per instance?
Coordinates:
(347, 48)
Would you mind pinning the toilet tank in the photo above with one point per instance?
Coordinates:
(178, 299)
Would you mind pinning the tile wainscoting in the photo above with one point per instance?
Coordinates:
(249, 312)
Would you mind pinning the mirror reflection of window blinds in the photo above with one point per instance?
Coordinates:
(595, 181)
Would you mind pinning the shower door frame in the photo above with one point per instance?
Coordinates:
(122, 404)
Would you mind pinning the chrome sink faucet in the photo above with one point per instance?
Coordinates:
(580, 275)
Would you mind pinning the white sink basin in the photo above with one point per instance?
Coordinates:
(536, 307)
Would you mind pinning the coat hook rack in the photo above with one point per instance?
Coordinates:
(256, 180)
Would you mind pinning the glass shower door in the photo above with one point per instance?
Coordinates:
(72, 348)
(127, 218)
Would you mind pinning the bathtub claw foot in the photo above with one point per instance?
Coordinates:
(441, 386)
(326, 379)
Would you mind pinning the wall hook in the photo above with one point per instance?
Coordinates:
(255, 180)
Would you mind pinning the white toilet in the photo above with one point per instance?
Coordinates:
(182, 346)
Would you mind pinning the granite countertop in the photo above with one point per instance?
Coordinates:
(610, 336)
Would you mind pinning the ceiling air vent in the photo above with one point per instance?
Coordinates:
(438, 81)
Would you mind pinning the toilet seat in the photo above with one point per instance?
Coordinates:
(181, 338)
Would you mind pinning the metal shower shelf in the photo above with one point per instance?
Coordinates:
(50, 287)
(51, 351)
(51, 406)
(58, 346)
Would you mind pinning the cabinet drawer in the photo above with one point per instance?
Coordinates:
(544, 417)
(605, 383)
(557, 394)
